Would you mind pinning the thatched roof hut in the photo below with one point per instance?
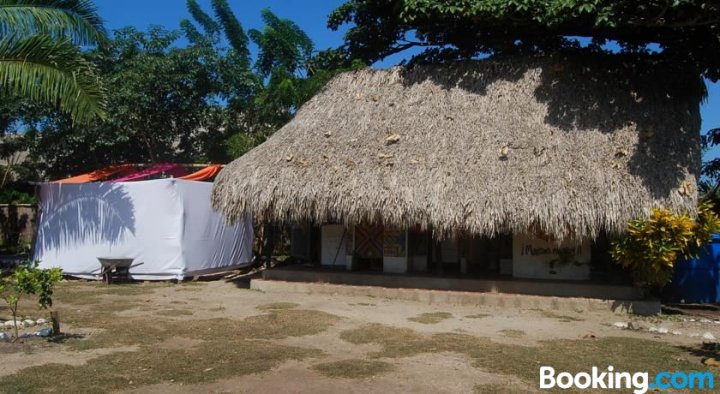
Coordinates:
(480, 147)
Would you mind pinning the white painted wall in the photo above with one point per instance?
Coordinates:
(333, 244)
(397, 264)
(531, 257)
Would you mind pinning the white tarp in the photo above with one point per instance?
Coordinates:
(167, 225)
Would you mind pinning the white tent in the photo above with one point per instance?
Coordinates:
(167, 225)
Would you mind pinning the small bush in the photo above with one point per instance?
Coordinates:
(652, 245)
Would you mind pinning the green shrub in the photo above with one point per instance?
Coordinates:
(12, 196)
(651, 246)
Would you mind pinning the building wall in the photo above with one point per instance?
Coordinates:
(532, 258)
(541, 259)
(395, 250)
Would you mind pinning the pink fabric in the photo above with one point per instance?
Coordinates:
(175, 170)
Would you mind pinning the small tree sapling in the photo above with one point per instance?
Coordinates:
(28, 279)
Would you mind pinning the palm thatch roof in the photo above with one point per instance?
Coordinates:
(542, 144)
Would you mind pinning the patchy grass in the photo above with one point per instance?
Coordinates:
(115, 289)
(96, 315)
(174, 312)
(396, 342)
(213, 360)
(353, 369)
(277, 305)
(223, 348)
(662, 318)
(26, 345)
(512, 333)
(275, 325)
(562, 318)
(628, 354)
(478, 316)
(229, 347)
(285, 323)
(431, 318)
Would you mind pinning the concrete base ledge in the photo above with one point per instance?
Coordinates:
(501, 300)
(556, 288)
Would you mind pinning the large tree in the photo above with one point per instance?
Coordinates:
(683, 31)
(40, 58)
(162, 106)
(262, 94)
(210, 100)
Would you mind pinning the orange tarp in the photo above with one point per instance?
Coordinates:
(100, 174)
(204, 174)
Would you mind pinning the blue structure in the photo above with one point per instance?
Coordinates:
(698, 280)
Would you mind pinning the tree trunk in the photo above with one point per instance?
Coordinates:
(55, 319)
(13, 310)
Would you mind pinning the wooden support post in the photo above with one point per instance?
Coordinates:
(55, 319)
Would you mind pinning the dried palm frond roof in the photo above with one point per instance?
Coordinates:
(540, 144)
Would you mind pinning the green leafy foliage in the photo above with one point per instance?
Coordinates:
(283, 45)
(711, 193)
(207, 101)
(13, 196)
(651, 246)
(27, 279)
(162, 106)
(76, 19)
(684, 31)
(205, 20)
(49, 70)
(711, 168)
(234, 31)
(287, 72)
(40, 59)
(240, 143)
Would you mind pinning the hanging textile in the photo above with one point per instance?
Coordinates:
(175, 170)
(98, 175)
(167, 226)
(204, 174)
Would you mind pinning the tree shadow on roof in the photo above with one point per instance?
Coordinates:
(604, 93)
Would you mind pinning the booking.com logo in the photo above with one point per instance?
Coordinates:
(640, 382)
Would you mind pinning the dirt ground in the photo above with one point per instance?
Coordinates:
(221, 337)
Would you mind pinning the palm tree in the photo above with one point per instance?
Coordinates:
(40, 58)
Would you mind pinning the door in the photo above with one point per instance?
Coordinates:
(334, 238)
(369, 246)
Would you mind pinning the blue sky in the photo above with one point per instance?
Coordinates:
(310, 15)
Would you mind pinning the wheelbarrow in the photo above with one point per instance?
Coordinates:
(115, 268)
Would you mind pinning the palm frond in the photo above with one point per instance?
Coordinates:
(77, 20)
(44, 69)
(206, 21)
(233, 28)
